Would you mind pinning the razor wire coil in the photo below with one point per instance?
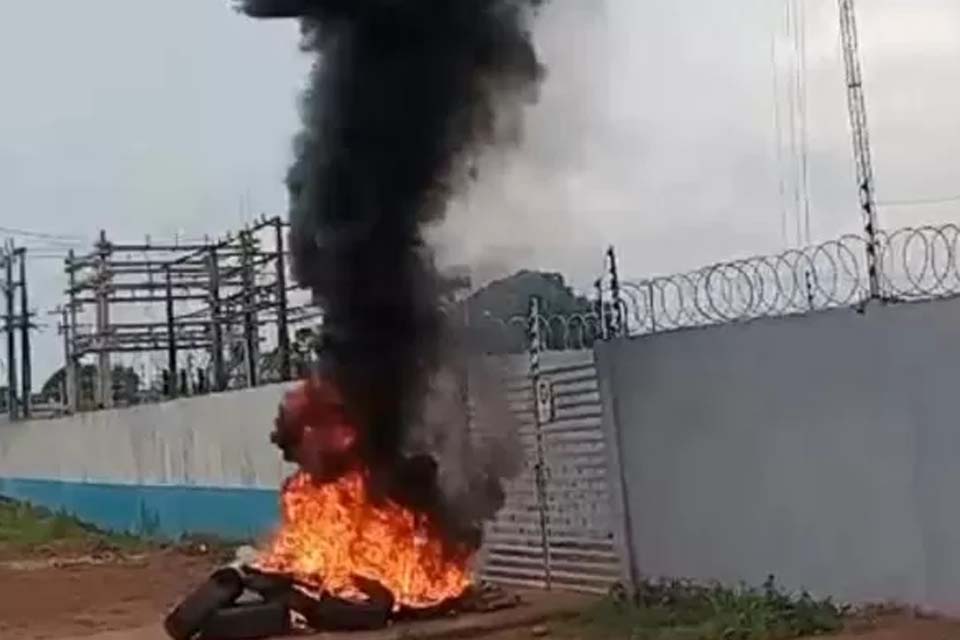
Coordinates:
(916, 264)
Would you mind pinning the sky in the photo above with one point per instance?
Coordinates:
(654, 131)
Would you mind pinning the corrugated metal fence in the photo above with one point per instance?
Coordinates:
(556, 530)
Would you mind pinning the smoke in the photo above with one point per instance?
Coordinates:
(402, 97)
(475, 441)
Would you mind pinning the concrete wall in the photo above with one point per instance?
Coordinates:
(822, 449)
(194, 465)
(200, 464)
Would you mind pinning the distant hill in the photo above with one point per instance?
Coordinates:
(510, 297)
(499, 309)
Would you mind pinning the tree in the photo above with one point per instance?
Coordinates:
(126, 385)
(510, 297)
(501, 308)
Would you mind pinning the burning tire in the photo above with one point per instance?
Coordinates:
(189, 617)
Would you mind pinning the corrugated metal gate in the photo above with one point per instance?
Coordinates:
(556, 528)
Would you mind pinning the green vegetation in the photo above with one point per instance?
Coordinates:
(500, 308)
(28, 529)
(126, 385)
(682, 610)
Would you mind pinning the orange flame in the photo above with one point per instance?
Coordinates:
(333, 531)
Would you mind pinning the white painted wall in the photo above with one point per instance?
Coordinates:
(823, 449)
(219, 440)
(215, 442)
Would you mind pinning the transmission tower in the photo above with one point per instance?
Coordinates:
(861, 140)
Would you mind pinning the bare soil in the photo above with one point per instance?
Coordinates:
(54, 598)
(125, 597)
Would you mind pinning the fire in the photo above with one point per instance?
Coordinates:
(332, 531)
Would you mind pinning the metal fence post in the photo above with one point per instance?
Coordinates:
(653, 309)
(601, 310)
(535, 351)
(617, 317)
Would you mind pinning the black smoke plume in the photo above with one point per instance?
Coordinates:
(401, 97)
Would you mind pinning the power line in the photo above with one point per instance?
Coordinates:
(60, 257)
(41, 234)
(794, 169)
(778, 127)
(919, 201)
(67, 241)
(793, 89)
(801, 37)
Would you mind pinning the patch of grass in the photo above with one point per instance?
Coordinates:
(29, 530)
(681, 610)
(25, 528)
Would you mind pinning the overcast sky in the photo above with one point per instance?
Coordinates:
(654, 131)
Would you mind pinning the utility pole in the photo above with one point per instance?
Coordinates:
(861, 141)
(8, 290)
(248, 300)
(26, 374)
(70, 378)
(70, 336)
(105, 385)
(171, 336)
(216, 326)
(283, 331)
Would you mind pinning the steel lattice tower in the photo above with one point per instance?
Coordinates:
(861, 140)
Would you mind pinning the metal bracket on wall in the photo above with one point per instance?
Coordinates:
(545, 406)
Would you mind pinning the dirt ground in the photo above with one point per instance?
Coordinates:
(41, 598)
(111, 599)
(126, 597)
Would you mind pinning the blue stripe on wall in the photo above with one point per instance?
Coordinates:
(155, 511)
